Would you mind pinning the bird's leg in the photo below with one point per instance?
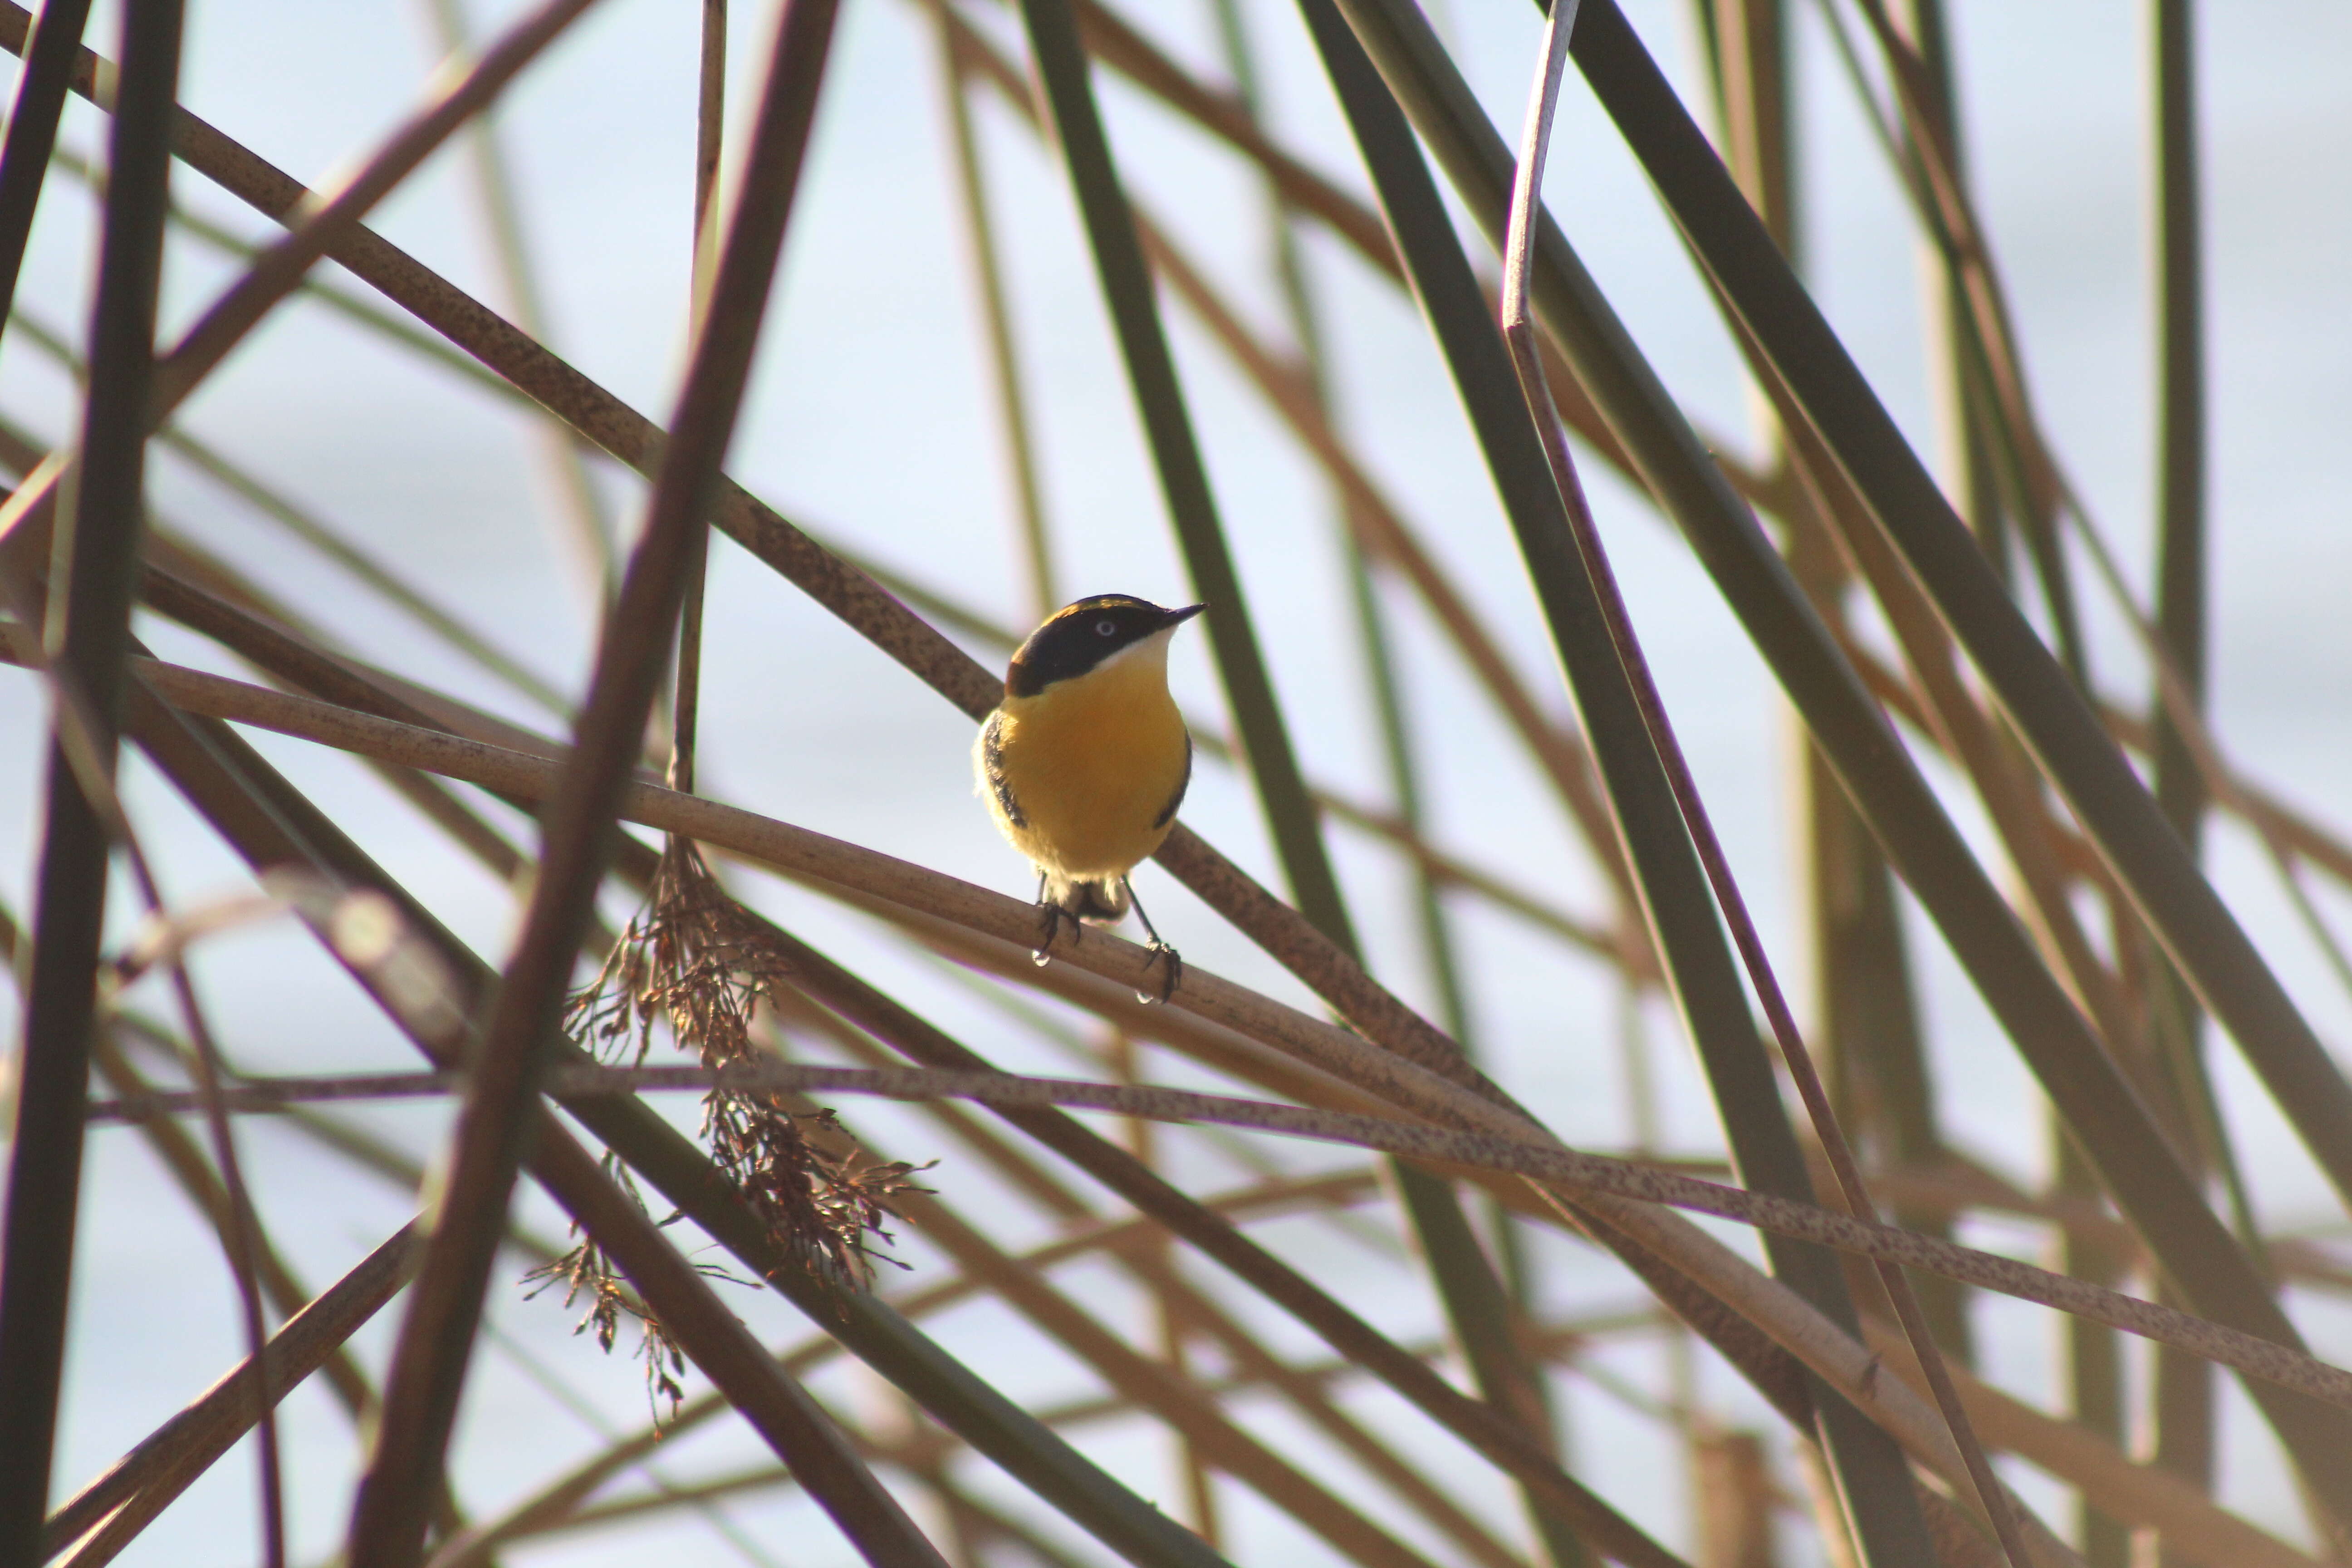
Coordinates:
(1157, 949)
(1051, 915)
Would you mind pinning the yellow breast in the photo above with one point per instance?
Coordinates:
(1085, 776)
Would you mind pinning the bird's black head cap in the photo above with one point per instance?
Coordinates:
(1076, 638)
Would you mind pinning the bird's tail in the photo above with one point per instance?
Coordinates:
(1102, 900)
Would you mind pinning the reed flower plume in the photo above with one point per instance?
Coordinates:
(699, 963)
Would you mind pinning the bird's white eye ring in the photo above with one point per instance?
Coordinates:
(1105, 628)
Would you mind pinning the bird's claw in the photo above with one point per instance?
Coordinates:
(1156, 951)
(1051, 916)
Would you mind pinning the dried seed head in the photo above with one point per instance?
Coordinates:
(585, 1270)
(699, 963)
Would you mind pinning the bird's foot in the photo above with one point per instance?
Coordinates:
(1050, 916)
(1159, 952)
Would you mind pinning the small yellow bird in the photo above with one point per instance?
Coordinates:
(1085, 762)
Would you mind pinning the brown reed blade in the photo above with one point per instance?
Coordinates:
(1234, 1450)
(2131, 1493)
(1467, 1284)
(1416, 1060)
(1462, 1143)
(144, 1481)
(1186, 1312)
(811, 1447)
(32, 135)
(282, 651)
(334, 296)
(428, 1368)
(1669, 1388)
(1494, 1434)
(1788, 1315)
(2187, 1408)
(712, 823)
(564, 1498)
(1706, 985)
(1867, 1011)
(842, 589)
(1119, 46)
(2197, 929)
(710, 131)
(90, 596)
(1882, 779)
(270, 824)
(1518, 330)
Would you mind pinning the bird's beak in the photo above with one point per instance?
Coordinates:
(1178, 617)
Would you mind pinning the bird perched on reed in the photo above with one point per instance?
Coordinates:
(1085, 762)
